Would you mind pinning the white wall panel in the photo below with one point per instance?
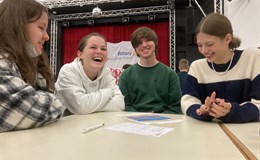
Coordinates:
(245, 18)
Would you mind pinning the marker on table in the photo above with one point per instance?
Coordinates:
(93, 128)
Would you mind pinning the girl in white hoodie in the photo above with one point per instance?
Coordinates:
(85, 85)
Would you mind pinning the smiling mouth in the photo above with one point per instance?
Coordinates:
(209, 55)
(146, 49)
(98, 59)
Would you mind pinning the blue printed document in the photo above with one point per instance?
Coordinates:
(150, 118)
(143, 118)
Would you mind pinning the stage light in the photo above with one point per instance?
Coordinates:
(96, 12)
(125, 20)
(65, 24)
(151, 18)
(90, 22)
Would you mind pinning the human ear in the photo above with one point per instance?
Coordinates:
(79, 54)
(228, 37)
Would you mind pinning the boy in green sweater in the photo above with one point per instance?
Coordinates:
(149, 85)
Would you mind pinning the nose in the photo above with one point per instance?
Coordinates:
(99, 50)
(46, 36)
(204, 49)
(144, 43)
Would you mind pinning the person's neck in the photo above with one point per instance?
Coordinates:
(148, 62)
(225, 59)
(92, 74)
(183, 70)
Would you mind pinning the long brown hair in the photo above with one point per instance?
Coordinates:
(14, 16)
(216, 24)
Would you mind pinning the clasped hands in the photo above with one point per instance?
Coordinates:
(214, 107)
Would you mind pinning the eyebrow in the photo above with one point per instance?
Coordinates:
(41, 23)
(205, 42)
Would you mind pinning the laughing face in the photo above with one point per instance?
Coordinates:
(94, 54)
(214, 48)
(37, 33)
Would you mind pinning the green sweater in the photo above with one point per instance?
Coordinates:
(151, 89)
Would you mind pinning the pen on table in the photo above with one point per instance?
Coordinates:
(93, 128)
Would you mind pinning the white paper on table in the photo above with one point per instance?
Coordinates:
(140, 129)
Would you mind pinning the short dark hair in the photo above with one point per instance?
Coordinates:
(125, 66)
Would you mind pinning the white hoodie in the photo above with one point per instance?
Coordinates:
(82, 95)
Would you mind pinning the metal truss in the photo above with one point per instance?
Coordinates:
(113, 13)
(53, 45)
(69, 3)
(172, 27)
(78, 16)
(218, 6)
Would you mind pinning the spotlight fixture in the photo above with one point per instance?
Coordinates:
(65, 24)
(125, 20)
(96, 12)
(151, 18)
(90, 22)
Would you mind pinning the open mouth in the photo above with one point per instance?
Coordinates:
(98, 59)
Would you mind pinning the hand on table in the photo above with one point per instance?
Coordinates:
(219, 108)
(214, 107)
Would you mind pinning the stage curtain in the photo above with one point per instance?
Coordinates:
(114, 34)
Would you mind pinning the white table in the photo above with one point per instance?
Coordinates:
(63, 140)
(249, 135)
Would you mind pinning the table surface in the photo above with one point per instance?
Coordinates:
(63, 140)
(248, 134)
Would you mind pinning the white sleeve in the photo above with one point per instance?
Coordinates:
(187, 101)
(77, 100)
(116, 103)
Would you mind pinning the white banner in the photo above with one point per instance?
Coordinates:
(120, 54)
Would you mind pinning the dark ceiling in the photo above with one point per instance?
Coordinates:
(119, 5)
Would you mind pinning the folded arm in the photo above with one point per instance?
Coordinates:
(22, 106)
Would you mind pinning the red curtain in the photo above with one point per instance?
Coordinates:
(114, 34)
